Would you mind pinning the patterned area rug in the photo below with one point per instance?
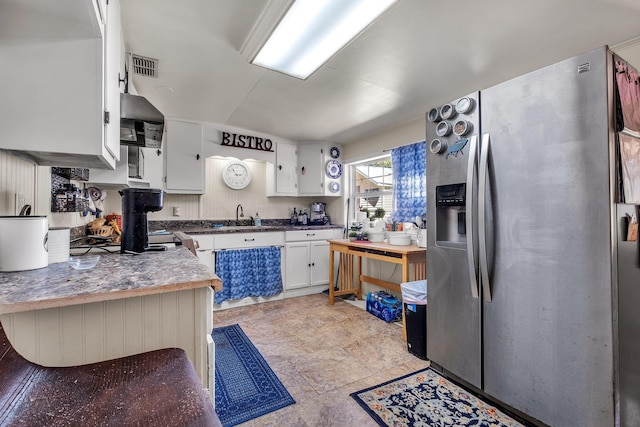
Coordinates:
(425, 398)
(246, 387)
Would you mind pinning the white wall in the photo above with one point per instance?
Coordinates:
(373, 145)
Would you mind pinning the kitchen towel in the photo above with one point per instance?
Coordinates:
(251, 272)
(630, 158)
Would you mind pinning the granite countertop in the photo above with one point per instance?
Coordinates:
(207, 229)
(115, 276)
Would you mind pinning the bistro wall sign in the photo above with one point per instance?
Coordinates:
(246, 141)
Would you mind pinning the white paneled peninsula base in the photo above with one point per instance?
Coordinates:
(127, 304)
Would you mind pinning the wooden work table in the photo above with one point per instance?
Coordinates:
(406, 256)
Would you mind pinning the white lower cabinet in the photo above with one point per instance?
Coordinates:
(204, 249)
(298, 265)
(307, 258)
(304, 263)
(307, 264)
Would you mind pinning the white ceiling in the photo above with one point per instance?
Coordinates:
(420, 54)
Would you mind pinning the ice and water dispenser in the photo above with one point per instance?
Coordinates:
(450, 214)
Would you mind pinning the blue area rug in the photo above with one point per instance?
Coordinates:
(246, 387)
(425, 398)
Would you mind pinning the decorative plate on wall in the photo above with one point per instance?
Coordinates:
(236, 175)
(334, 169)
(334, 187)
(334, 152)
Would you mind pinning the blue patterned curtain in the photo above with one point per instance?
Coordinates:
(248, 273)
(409, 165)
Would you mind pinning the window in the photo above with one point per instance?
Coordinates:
(372, 187)
(394, 185)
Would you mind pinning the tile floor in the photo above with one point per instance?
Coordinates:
(322, 353)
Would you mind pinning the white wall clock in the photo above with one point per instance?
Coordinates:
(236, 175)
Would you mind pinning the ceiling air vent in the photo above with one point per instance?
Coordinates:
(143, 66)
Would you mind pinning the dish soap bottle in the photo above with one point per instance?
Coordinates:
(258, 220)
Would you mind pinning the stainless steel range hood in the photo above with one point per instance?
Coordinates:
(141, 123)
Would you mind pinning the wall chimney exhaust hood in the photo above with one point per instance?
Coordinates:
(141, 124)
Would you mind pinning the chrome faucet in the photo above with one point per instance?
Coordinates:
(241, 213)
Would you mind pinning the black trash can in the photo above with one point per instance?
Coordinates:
(414, 304)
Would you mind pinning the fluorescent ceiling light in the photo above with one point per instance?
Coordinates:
(312, 31)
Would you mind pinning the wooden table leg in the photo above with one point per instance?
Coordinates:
(331, 279)
(359, 292)
(405, 269)
(405, 278)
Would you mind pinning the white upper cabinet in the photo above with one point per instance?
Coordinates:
(282, 177)
(53, 85)
(310, 174)
(113, 64)
(320, 169)
(184, 157)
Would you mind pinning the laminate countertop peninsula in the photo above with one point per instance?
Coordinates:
(125, 305)
(115, 276)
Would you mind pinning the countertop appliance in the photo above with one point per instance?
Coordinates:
(526, 260)
(23, 243)
(318, 216)
(136, 202)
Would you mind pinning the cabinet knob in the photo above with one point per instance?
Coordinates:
(311, 234)
(249, 240)
(280, 167)
(313, 264)
(309, 265)
(197, 156)
(302, 170)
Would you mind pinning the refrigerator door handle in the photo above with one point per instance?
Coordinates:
(482, 229)
(469, 217)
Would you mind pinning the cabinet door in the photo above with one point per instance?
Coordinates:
(319, 262)
(113, 58)
(154, 167)
(185, 162)
(310, 179)
(207, 257)
(285, 169)
(53, 93)
(297, 265)
(204, 249)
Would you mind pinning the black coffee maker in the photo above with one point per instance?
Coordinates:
(136, 202)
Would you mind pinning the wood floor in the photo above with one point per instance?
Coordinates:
(322, 353)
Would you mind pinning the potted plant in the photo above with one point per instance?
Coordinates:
(379, 213)
(353, 235)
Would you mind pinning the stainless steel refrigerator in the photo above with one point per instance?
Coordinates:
(523, 241)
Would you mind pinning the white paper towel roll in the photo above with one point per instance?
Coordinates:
(58, 245)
